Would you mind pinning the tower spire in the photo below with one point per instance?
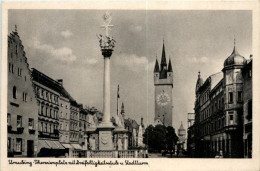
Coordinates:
(163, 60)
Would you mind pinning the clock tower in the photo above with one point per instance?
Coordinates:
(163, 84)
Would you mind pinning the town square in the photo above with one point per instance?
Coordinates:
(129, 84)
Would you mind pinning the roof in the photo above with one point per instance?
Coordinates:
(45, 80)
(235, 58)
(215, 79)
(181, 127)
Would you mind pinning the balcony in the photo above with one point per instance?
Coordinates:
(20, 130)
(31, 131)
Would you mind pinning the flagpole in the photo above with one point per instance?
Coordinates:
(117, 99)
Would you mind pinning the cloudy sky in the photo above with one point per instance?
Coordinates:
(63, 44)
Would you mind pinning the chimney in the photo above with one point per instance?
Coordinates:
(142, 121)
(251, 56)
(60, 81)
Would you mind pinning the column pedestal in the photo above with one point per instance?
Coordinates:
(105, 138)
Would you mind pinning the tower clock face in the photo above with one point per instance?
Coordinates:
(163, 99)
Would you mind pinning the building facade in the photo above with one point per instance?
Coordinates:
(247, 109)
(219, 115)
(48, 98)
(163, 84)
(22, 111)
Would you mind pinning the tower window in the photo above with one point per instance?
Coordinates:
(14, 92)
(16, 50)
(230, 97)
(239, 96)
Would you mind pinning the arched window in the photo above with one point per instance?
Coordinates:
(14, 92)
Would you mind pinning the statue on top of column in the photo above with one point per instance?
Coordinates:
(107, 41)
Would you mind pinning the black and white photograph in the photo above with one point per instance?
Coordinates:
(129, 83)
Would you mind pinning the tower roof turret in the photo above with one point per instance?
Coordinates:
(235, 58)
(199, 82)
(170, 66)
(156, 67)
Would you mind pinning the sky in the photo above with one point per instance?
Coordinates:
(63, 45)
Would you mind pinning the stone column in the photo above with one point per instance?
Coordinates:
(106, 89)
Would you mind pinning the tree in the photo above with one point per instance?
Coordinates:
(160, 138)
(171, 139)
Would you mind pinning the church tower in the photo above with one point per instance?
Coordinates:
(163, 84)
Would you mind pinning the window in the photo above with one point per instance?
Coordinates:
(230, 97)
(25, 97)
(16, 50)
(9, 143)
(239, 96)
(38, 92)
(40, 127)
(14, 92)
(45, 127)
(8, 119)
(50, 128)
(24, 78)
(231, 118)
(250, 73)
(31, 123)
(42, 93)
(42, 106)
(46, 112)
(19, 121)
(47, 97)
(249, 109)
(18, 145)
(10, 67)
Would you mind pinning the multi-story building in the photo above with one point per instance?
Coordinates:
(74, 128)
(48, 97)
(64, 115)
(82, 124)
(218, 127)
(247, 108)
(22, 117)
(190, 135)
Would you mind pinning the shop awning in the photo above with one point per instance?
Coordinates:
(43, 144)
(67, 146)
(54, 144)
(59, 144)
(76, 146)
